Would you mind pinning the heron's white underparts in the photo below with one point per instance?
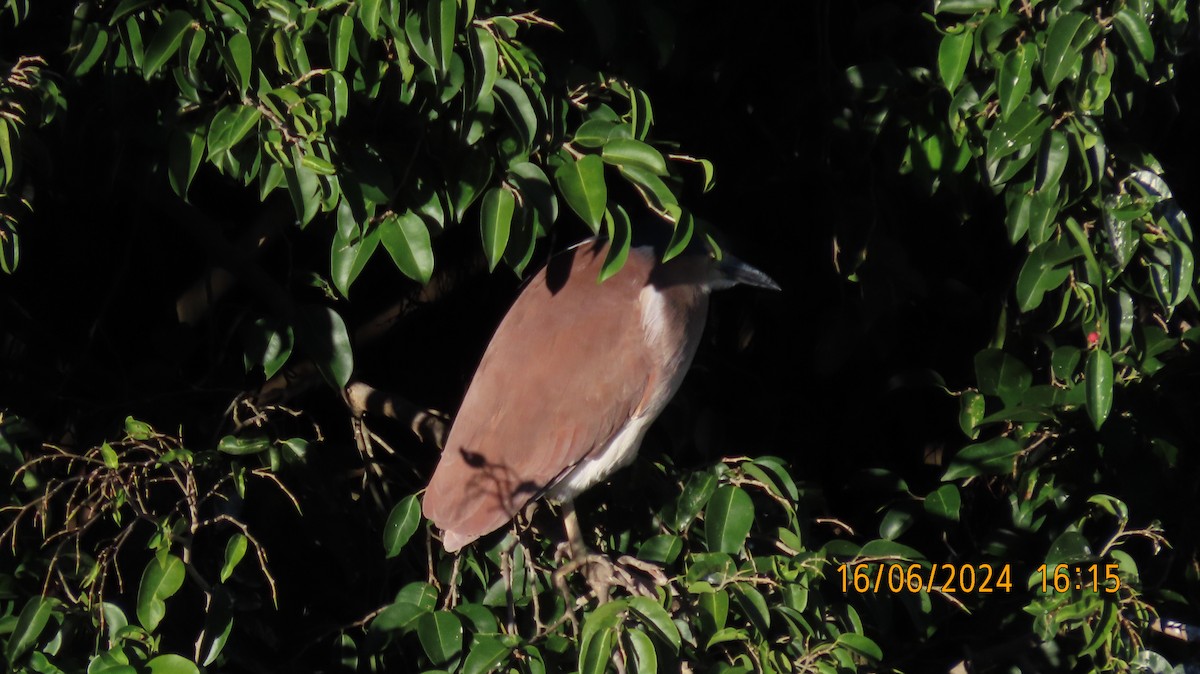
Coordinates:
(571, 381)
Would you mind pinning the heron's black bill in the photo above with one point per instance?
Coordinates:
(741, 273)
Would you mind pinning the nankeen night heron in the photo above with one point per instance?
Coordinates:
(571, 381)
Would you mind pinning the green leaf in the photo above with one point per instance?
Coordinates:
(1121, 312)
(339, 94)
(655, 617)
(596, 650)
(620, 234)
(321, 334)
(441, 635)
(1171, 272)
(895, 522)
(400, 616)
(235, 550)
(1061, 56)
(368, 14)
(953, 55)
(962, 6)
(641, 113)
(727, 519)
(1069, 548)
(861, 645)
(660, 549)
(172, 664)
(694, 497)
(29, 626)
(229, 126)
(681, 235)
(401, 524)
(495, 220)
(890, 550)
(107, 663)
(1002, 375)
(1064, 361)
(166, 41)
(138, 430)
(535, 191)
(630, 152)
(487, 651)
(243, 446)
(421, 46)
(753, 605)
(1135, 34)
(109, 456)
(1104, 629)
(474, 174)
(161, 579)
(1099, 382)
(125, 8)
(486, 59)
(1052, 160)
(994, 457)
(1044, 270)
(1025, 126)
(515, 101)
(185, 151)
(406, 238)
(341, 31)
(582, 185)
(971, 410)
(1015, 77)
(91, 48)
(441, 16)
(713, 610)
(218, 625)
(351, 250)
(645, 659)
(239, 63)
(653, 190)
(944, 502)
(598, 132)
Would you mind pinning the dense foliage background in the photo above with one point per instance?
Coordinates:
(217, 214)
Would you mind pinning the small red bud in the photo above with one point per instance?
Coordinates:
(1093, 339)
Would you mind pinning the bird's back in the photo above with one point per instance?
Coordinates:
(565, 371)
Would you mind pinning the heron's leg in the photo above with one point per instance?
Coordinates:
(598, 568)
(579, 549)
(601, 572)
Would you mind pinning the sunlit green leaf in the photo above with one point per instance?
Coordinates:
(401, 524)
(321, 334)
(727, 519)
(29, 626)
(406, 238)
(620, 234)
(1099, 381)
(441, 635)
(171, 664)
(1062, 56)
(953, 55)
(630, 152)
(166, 41)
(582, 185)
(486, 653)
(161, 579)
(235, 550)
(944, 502)
(986, 458)
(495, 221)
(1135, 34)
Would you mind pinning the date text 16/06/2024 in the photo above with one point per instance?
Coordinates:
(895, 578)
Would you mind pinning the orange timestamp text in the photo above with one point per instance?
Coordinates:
(876, 577)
